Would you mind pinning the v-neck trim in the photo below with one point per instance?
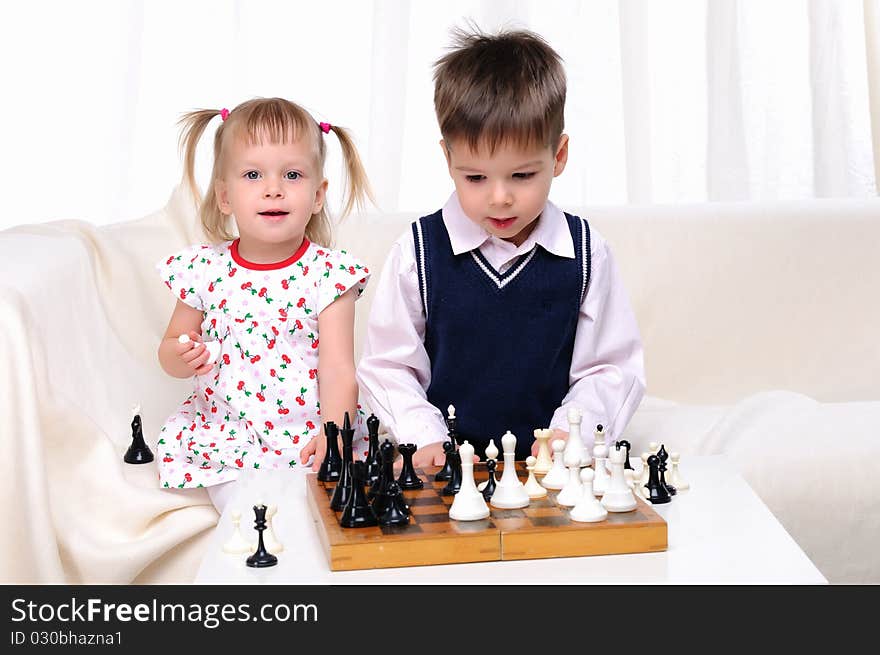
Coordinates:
(503, 279)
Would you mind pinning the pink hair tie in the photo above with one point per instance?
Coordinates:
(325, 127)
(224, 114)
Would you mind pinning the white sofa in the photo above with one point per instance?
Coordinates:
(760, 324)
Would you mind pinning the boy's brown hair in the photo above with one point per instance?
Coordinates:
(507, 87)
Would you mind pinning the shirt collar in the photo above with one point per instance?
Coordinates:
(551, 232)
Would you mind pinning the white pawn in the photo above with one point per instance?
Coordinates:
(618, 497)
(544, 461)
(588, 509)
(573, 490)
(533, 487)
(510, 492)
(237, 544)
(632, 482)
(491, 453)
(675, 478)
(557, 476)
(600, 454)
(212, 346)
(646, 472)
(468, 504)
(575, 443)
(653, 447)
(270, 541)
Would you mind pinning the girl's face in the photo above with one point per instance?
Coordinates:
(272, 190)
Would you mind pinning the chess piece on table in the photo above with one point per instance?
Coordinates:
(600, 470)
(656, 492)
(395, 511)
(643, 477)
(533, 487)
(261, 557)
(544, 460)
(491, 454)
(510, 492)
(632, 482)
(373, 463)
(331, 467)
(557, 476)
(653, 447)
(237, 544)
(344, 485)
(445, 473)
(386, 471)
(575, 442)
(675, 475)
(357, 512)
(138, 452)
(662, 455)
(618, 497)
(454, 483)
(469, 504)
(269, 537)
(588, 509)
(572, 490)
(408, 478)
(452, 425)
(488, 488)
(625, 444)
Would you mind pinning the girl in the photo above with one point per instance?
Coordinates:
(253, 307)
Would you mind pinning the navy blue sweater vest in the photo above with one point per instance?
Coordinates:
(500, 345)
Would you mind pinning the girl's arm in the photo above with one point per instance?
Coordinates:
(183, 360)
(337, 386)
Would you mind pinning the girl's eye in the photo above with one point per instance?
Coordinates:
(293, 175)
(252, 175)
(523, 176)
(475, 178)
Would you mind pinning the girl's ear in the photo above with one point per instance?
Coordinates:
(221, 195)
(320, 196)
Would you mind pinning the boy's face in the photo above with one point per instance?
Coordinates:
(504, 192)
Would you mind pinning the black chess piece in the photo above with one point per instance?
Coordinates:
(489, 489)
(452, 487)
(623, 443)
(261, 557)
(138, 452)
(662, 455)
(357, 512)
(408, 478)
(386, 470)
(343, 486)
(452, 426)
(374, 464)
(657, 493)
(445, 473)
(331, 467)
(396, 512)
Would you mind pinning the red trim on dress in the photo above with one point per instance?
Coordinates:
(241, 261)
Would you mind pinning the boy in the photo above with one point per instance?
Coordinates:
(500, 304)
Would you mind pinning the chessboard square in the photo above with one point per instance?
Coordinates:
(507, 513)
(425, 510)
(505, 524)
(421, 501)
(549, 521)
(537, 512)
(439, 517)
(401, 529)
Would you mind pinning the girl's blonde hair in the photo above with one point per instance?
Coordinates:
(275, 120)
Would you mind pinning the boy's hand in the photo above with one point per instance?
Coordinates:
(432, 455)
(194, 354)
(557, 434)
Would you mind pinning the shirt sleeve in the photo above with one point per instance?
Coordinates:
(342, 272)
(607, 376)
(184, 273)
(394, 371)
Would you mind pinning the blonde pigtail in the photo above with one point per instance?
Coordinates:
(358, 191)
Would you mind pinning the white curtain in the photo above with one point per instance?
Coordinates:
(668, 102)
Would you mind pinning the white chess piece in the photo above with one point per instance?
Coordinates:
(653, 447)
(533, 487)
(544, 461)
(510, 492)
(212, 346)
(237, 544)
(575, 442)
(468, 504)
(588, 509)
(491, 453)
(573, 490)
(618, 496)
(646, 472)
(556, 477)
(270, 541)
(600, 453)
(630, 477)
(675, 478)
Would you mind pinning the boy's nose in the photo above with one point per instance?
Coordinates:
(501, 195)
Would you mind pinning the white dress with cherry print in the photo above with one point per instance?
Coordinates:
(259, 405)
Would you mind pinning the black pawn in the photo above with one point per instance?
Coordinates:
(489, 489)
(408, 478)
(662, 455)
(452, 487)
(446, 472)
(374, 464)
(261, 557)
(357, 512)
(331, 467)
(623, 443)
(386, 470)
(343, 488)
(657, 493)
(396, 511)
(138, 452)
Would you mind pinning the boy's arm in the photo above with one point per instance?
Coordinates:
(394, 370)
(607, 377)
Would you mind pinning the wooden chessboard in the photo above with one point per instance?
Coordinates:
(540, 530)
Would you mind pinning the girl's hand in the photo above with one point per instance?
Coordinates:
(194, 354)
(317, 446)
(557, 434)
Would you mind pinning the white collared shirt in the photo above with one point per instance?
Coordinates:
(607, 374)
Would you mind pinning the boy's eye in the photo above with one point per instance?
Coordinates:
(523, 176)
(293, 175)
(475, 178)
(252, 175)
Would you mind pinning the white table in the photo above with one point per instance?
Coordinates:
(719, 532)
